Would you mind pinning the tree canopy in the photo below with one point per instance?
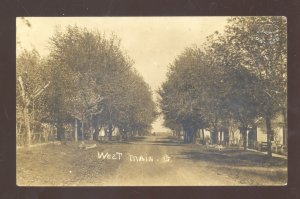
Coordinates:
(93, 81)
(239, 75)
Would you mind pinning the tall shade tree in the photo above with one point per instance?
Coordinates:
(235, 86)
(240, 102)
(95, 81)
(240, 76)
(180, 102)
(262, 42)
(31, 84)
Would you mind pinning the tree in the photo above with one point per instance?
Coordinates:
(137, 110)
(95, 82)
(240, 76)
(31, 84)
(241, 103)
(262, 42)
(179, 97)
(235, 90)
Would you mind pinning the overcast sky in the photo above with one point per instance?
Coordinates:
(152, 42)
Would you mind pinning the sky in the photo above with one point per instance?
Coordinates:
(152, 42)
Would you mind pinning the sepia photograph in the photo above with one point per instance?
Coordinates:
(151, 101)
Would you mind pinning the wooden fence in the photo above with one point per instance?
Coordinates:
(45, 133)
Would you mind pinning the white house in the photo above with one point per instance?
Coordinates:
(277, 124)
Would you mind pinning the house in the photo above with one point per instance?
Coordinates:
(257, 134)
(278, 127)
(102, 136)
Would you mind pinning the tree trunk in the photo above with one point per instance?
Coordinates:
(221, 137)
(202, 136)
(96, 133)
(60, 131)
(243, 131)
(185, 139)
(109, 131)
(76, 131)
(214, 136)
(178, 133)
(26, 102)
(189, 138)
(198, 133)
(269, 136)
(232, 134)
(226, 136)
(82, 126)
(27, 126)
(126, 135)
(194, 136)
(284, 136)
(190, 134)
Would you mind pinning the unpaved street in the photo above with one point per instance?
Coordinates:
(146, 161)
(169, 167)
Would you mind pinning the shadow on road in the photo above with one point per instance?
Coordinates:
(138, 139)
(164, 141)
(248, 167)
(234, 158)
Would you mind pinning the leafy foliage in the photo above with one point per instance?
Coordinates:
(93, 81)
(239, 76)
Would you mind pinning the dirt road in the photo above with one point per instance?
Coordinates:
(169, 166)
(147, 161)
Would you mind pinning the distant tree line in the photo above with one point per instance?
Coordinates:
(237, 77)
(89, 79)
